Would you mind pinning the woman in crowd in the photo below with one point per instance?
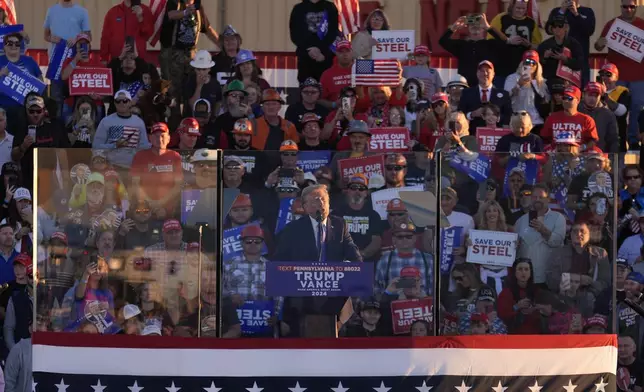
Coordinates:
(432, 124)
(516, 305)
(467, 282)
(414, 90)
(396, 117)
(491, 217)
(254, 95)
(420, 328)
(247, 71)
(20, 218)
(519, 145)
(152, 308)
(630, 201)
(528, 89)
(562, 166)
(377, 20)
(83, 122)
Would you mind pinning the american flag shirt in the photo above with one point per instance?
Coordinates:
(113, 129)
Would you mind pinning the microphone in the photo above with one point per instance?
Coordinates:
(318, 216)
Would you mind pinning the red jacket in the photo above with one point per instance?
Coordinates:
(120, 22)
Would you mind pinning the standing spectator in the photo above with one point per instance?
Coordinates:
(7, 257)
(432, 82)
(247, 71)
(18, 376)
(570, 121)
(271, 129)
(201, 84)
(630, 70)
(516, 301)
(432, 124)
(521, 143)
(126, 24)
(629, 365)
(473, 98)
(19, 315)
(605, 119)
(540, 236)
(121, 133)
(157, 174)
(475, 49)
(6, 139)
(311, 126)
(338, 123)
(527, 88)
(310, 91)
(182, 26)
(83, 57)
(582, 26)
(82, 125)
(337, 78)
(245, 275)
(12, 55)
(618, 99)
(313, 25)
(522, 33)
(560, 49)
(230, 43)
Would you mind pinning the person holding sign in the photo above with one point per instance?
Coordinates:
(12, 55)
(560, 50)
(422, 70)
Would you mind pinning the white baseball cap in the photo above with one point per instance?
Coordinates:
(22, 194)
(130, 311)
(204, 154)
(152, 329)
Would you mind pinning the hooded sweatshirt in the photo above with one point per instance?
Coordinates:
(606, 127)
(305, 21)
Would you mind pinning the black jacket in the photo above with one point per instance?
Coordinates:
(471, 100)
(550, 65)
(303, 26)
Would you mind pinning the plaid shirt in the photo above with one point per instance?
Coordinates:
(245, 278)
(387, 270)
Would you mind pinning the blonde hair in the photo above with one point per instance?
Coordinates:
(537, 75)
(481, 222)
(462, 119)
(516, 121)
(384, 89)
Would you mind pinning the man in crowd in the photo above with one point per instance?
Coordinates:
(311, 125)
(245, 275)
(582, 26)
(126, 24)
(235, 97)
(362, 221)
(189, 133)
(570, 120)
(17, 372)
(449, 199)
(618, 99)
(138, 230)
(541, 233)
(560, 49)
(473, 98)
(604, 118)
(230, 43)
(157, 175)
(313, 25)
(7, 255)
(336, 78)
(310, 92)
(20, 306)
(395, 171)
(271, 129)
(630, 74)
(628, 364)
(200, 84)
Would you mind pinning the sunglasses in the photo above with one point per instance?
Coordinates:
(232, 167)
(568, 98)
(405, 237)
(142, 210)
(395, 167)
(35, 111)
(397, 214)
(358, 188)
(606, 74)
(529, 62)
(256, 241)
(521, 113)
(439, 103)
(286, 190)
(632, 178)
(629, 7)
(490, 188)
(122, 101)
(526, 193)
(15, 44)
(289, 154)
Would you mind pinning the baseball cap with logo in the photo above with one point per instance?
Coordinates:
(96, 177)
(409, 272)
(159, 127)
(36, 100)
(486, 294)
(343, 45)
(359, 179)
(121, 94)
(233, 159)
(487, 63)
(422, 50)
(572, 91)
(60, 236)
(530, 55)
(171, 225)
(371, 305)
(396, 205)
(23, 259)
(22, 194)
(596, 320)
(594, 87)
(438, 97)
(636, 277)
(610, 67)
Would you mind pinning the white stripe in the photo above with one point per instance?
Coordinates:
(352, 19)
(324, 363)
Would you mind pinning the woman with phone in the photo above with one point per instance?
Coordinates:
(432, 121)
(516, 303)
(528, 89)
(83, 122)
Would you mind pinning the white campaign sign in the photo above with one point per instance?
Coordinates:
(492, 248)
(379, 199)
(626, 39)
(393, 44)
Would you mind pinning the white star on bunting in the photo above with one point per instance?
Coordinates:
(98, 387)
(601, 386)
(382, 387)
(255, 388)
(135, 387)
(297, 388)
(172, 388)
(463, 387)
(62, 387)
(570, 387)
(33, 385)
(424, 387)
(340, 388)
(499, 388)
(212, 388)
(535, 387)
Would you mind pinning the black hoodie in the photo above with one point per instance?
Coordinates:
(304, 22)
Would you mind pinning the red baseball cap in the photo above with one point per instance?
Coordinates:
(343, 45)
(486, 62)
(479, 317)
(437, 97)
(530, 55)
(193, 246)
(59, 235)
(596, 321)
(171, 225)
(610, 67)
(410, 272)
(573, 91)
(160, 127)
(594, 87)
(396, 205)
(23, 259)
(422, 50)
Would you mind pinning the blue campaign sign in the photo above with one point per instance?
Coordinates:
(450, 239)
(20, 83)
(477, 169)
(59, 54)
(232, 246)
(530, 168)
(284, 215)
(189, 199)
(314, 279)
(254, 315)
(310, 161)
(9, 30)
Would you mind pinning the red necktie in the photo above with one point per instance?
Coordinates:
(484, 95)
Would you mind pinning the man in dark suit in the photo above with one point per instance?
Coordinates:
(316, 236)
(474, 97)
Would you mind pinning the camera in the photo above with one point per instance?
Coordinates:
(143, 264)
(474, 18)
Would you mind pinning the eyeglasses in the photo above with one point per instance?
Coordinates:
(404, 236)
(397, 214)
(529, 62)
(255, 241)
(568, 98)
(359, 188)
(521, 113)
(35, 111)
(142, 210)
(395, 167)
(238, 96)
(629, 7)
(289, 154)
(287, 190)
(122, 101)
(606, 74)
(232, 167)
(628, 178)
(15, 44)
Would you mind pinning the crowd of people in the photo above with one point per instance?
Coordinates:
(129, 186)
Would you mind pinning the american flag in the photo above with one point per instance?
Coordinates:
(116, 133)
(9, 7)
(533, 11)
(376, 73)
(349, 15)
(72, 362)
(158, 12)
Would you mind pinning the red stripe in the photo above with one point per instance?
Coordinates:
(478, 342)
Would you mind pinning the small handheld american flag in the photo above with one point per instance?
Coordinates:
(376, 73)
